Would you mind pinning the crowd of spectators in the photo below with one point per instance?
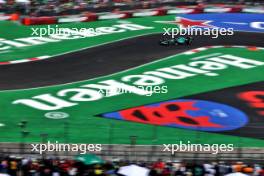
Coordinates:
(62, 167)
(72, 7)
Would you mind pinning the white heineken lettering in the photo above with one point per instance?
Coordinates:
(64, 36)
(143, 80)
(207, 65)
(162, 75)
(36, 40)
(177, 74)
(4, 47)
(74, 34)
(237, 61)
(13, 43)
(60, 34)
(85, 33)
(92, 92)
(54, 103)
(81, 94)
(113, 88)
(110, 30)
(194, 70)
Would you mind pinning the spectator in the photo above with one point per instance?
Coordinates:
(57, 167)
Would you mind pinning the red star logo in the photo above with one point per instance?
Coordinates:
(186, 23)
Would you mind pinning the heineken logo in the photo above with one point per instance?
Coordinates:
(204, 112)
(185, 113)
(209, 67)
(43, 35)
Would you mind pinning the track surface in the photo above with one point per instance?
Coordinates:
(106, 59)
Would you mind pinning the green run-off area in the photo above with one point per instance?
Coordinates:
(84, 124)
(24, 48)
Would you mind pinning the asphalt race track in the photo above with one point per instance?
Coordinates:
(107, 59)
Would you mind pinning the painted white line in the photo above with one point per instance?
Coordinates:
(189, 52)
(218, 46)
(25, 60)
(19, 61)
(193, 51)
(201, 49)
(238, 46)
(235, 23)
(81, 49)
(43, 57)
(249, 31)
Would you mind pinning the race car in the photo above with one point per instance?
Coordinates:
(176, 41)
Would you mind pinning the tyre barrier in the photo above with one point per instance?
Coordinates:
(11, 17)
(39, 20)
(87, 17)
(116, 15)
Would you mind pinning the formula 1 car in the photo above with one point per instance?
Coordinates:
(176, 41)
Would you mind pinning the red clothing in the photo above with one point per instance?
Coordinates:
(159, 165)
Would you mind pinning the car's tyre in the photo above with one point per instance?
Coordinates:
(164, 43)
(189, 40)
